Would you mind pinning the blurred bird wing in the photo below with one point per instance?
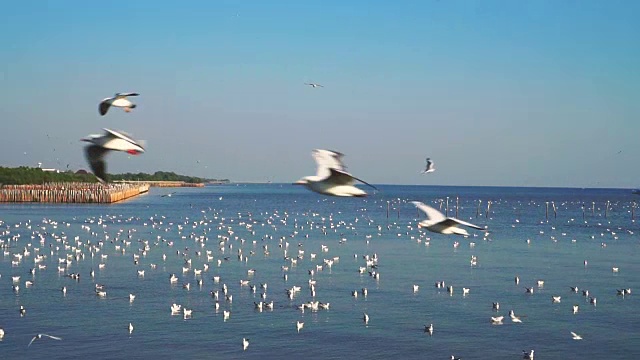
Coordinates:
(95, 156)
(432, 214)
(32, 340)
(52, 337)
(123, 95)
(465, 223)
(104, 106)
(326, 160)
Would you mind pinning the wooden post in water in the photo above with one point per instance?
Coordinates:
(546, 211)
(606, 210)
(447, 208)
(633, 211)
(583, 211)
(398, 211)
(387, 209)
(478, 209)
(441, 202)
(593, 208)
(457, 205)
(488, 208)
(555, 213)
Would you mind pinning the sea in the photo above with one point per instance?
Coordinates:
(552, 239)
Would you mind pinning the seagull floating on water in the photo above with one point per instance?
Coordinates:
(438, 223)
(332, 177)
(102, 144)
(118, 100)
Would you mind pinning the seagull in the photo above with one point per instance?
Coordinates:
(429, 329)
(101, 144)
(527, 355)
(313, 85)
(1, 333)
(245, 343)
(299, 325)
(39, 336)
(576, 336)
(130, 328)
(119, 100)
(365, 318)
(575, 309)
(497, 320)
(332, 177)
(556, 299)
(429, 167)
(438, 223)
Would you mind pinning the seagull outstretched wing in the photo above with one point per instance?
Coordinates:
(326, 160)
(123, 95)
(432, 214)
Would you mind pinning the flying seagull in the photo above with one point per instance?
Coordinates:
(437, 222)
(313, 85)
(576, 336)
(102, 144)
(429, 167)
(118, 100)
(332, 177)
(39, 336)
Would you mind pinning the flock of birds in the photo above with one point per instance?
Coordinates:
(209, 243)
(331, 179)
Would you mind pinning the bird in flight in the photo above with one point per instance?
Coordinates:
(102, 144)
(332, 177)
(118, 100)
(429, 167)
(39, 336)
(314, 85)
(437, 222)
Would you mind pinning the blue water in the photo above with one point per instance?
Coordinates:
(98, 327)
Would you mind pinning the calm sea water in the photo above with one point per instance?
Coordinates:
(218, 219)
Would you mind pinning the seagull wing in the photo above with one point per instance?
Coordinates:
(95, 156)
(326, 160)
(432, 214)
(338, 177)
(126, 137)
(466, 223)
(104, 106)
(574, 334)
(51, 337)
(127, 94)
(32, 340)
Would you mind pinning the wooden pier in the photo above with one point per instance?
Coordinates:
(161, 183)
(71, 192)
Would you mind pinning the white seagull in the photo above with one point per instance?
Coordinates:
(313, 85)
(102, 144)
(39, 336)
(118, 100)
(576, 336)
(332, 177)
(429, 167)
(437, 222)
(245, 343)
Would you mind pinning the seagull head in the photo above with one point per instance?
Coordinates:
(302, 181)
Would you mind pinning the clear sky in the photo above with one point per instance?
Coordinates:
(518, 93)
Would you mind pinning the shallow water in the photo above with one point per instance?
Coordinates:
(92, 326)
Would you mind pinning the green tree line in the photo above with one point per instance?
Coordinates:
(24, 175)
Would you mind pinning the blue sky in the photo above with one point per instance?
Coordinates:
(518, 93)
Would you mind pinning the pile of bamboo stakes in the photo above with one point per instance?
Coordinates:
(71, 192)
